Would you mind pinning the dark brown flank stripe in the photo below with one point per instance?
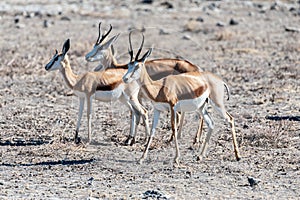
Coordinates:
(108, 87)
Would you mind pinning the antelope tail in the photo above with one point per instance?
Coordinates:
(228, 92)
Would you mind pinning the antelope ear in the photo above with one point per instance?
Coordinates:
(66, 46)
(146, 55)
(107, 44)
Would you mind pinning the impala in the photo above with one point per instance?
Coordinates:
(157, 69)
(180, 93)
(105, 86)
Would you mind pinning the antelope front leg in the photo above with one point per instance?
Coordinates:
(89, 118)
(180, 124)
(135, 120)
(81, 106)
(154, 124)
(174, 129)
(141, 111)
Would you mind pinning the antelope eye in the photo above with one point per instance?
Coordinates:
(56, 58)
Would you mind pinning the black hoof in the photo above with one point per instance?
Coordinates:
(130, 141)
(77, 140)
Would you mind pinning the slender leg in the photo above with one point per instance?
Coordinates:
(135, 120)
(235, 145)
(154, 124)
(220, 108)
(89, 117)
(179, 120)
(180, 124)
(199, 132)
(174, 130)
(141, 111)
(81, 106)
(210, 125)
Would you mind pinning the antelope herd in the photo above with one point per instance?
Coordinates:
(171, 85)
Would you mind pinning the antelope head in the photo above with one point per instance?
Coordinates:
(56, 61)
(135, 65)
(101, 47)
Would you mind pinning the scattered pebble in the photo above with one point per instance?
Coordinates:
(291, 29)
(200, 19)
(253, 181)
(17, 20)
(163, 32)
(147, 1)
(167, 4)
(220, 24)
(19, 25)
(154, 194)
(186, 37)
(233, 22)
(46, 23)
(65, 18)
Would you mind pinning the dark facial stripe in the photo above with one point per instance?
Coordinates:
(49, 65)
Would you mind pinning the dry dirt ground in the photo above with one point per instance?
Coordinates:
(253, 45)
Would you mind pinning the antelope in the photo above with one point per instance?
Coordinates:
(157, 69)
(105, 86)
(180, 93)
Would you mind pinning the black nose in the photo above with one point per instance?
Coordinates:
(48, 66)
(125, 79)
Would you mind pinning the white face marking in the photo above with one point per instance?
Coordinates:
(133, 73)
(95, 55)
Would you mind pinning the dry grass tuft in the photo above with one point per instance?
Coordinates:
(275, 134)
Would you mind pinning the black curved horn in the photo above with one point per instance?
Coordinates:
(130, 51)
(140, 49)
(97, 41)
(104, 36)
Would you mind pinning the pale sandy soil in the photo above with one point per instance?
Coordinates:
(259, 58)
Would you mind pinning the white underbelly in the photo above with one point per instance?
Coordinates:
(112, 95)
(190, 105)
(105, 96)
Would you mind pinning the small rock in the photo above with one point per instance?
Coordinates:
(291, 29)
(163, 32)
(200, 19)
(220, 24)
(167, 4)
(90, 181)
(252, 181)
(17, 20)
(186, 37)
(29, 15)
(274, 6)
(233, 22)
(20, 25)
(212, 6)
(65, 18)
(147, 1)
(46, 23)
(154, 194)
